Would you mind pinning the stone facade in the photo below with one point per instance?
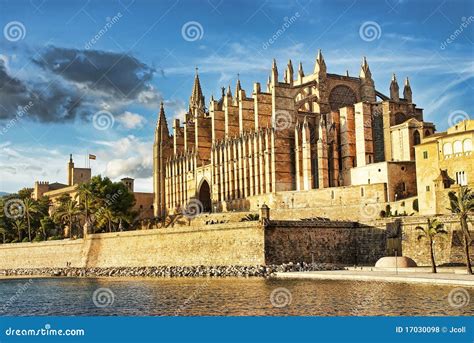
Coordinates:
(302, 133)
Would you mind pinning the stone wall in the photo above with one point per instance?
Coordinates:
(331, 242)
(226, 244)
(449, 248)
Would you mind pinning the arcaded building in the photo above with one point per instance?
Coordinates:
(305, 131)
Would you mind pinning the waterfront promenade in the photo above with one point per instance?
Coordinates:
(445, 276)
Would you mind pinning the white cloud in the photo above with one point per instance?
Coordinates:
(131, 120)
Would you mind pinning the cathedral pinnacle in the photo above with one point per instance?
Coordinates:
(407, 93)
(300, 71)
(320, 65)
(196, 101)
(365, 70)
(394, 90)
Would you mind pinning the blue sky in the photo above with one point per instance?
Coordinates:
(147, 56)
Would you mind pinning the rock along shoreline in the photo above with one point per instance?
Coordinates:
(173, 271)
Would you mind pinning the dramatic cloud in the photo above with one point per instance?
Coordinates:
(117, 74)
(67, 84)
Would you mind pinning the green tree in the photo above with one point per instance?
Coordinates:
(47, 226)
(25, 193)
(462, 204)
(433, 229)
(3, 232)
(112, 203)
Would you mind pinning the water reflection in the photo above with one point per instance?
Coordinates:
(222, 297)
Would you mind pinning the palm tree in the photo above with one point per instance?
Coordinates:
(68, 213)
(19, 225)
(433, 229)
(107, 216)
(86, 198)
(462, 204)
(31, 208)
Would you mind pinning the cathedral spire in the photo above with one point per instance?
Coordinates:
(238, 87)
(161, 124)
(394, 89)
(196, 100)
(320, 65)
(365, 70)
(407, 94)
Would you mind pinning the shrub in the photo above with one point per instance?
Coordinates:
(250, 217)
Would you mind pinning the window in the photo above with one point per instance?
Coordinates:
(447, 149)
(332, 194)
(361, 191)
(427, 188)
(425, 155)
(467, 145)
(416, 138)
(457, 147)
(461, 178)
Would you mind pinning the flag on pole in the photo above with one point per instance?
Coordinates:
(92, 157)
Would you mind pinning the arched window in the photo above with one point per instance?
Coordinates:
(427, 133)
(447, 149)
(467, 145)
(416, 138)
(457, 147)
